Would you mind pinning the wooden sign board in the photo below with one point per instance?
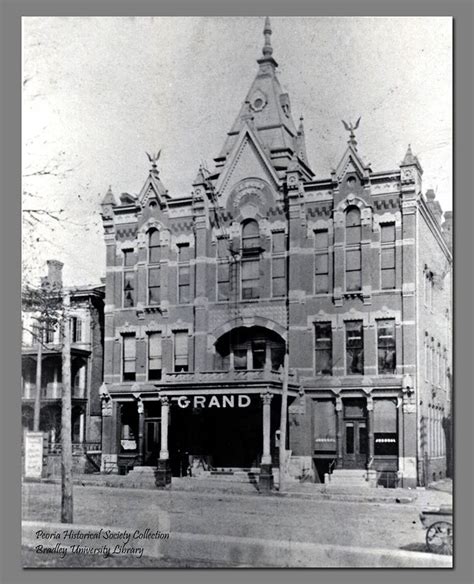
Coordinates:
(33, 455)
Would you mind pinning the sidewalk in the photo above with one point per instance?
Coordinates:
(437, 493)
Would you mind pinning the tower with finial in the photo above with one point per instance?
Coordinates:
(410, 171)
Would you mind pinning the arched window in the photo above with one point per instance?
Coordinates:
(250, 235)
(250, 265)
(353, 251)
(153, 246)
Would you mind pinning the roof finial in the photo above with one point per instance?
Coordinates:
(153, 158)
(350, 128)
(267, 32)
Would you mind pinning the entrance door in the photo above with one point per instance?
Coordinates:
(355, 444)
(152, 441)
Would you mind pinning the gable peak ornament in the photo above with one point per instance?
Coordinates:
(350, 127)
(153, 158)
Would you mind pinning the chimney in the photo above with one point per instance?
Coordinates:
(434, 205)
(447, 228)
(55, 273)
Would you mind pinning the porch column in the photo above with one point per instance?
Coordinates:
(141, 430)
(339, 424)
(267, 400)
(81, 427)
(266, 473)
(165, 406)
(370, 426)
(163, 471)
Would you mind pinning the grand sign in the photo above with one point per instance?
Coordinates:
(213, 401)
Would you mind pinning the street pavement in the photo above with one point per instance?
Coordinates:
(381, 524)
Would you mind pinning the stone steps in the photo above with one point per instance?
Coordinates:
(348, 478)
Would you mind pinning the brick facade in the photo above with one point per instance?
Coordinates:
(204, 293)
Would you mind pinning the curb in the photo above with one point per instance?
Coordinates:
(253, 552)
(316, 496)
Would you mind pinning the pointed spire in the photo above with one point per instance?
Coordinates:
(267, 49)
(409, 158)
(267, 32)
(109, 198)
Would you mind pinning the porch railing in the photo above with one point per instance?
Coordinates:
(77, 447)
(224, 376)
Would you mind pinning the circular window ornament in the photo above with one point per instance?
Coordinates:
(258, 101)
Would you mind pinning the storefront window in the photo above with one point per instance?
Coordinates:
(385, 427)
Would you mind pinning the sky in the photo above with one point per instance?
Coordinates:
(100, 92)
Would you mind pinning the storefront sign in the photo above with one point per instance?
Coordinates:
(33, 455)
(213, 401)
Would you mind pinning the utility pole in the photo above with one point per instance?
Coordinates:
(283, 421)
(66, 437)
(286, 364)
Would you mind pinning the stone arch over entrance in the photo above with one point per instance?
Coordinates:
(246, 322)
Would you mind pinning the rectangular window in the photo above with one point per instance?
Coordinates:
(128, 258)
(76, 329)
(321, 239)
(222, 247)
(386, 346)
(278, 242)
(154, 356)
(184, 284)
(258, 354)
(250, 279)
(321, 243)
(278, 277)
(128, 289)
(223, 270)
(387, 233)
(181, 360)
(154, 286)
(48, 334)
(223, 281)
(240, 358)
(387, 264)
(353, 270)
(354, 348)
(322, 273)
(184, 252)
(387, 259)
(353, 233)
(129, 358)
(323, 348)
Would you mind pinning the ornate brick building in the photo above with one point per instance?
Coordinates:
(204, 294)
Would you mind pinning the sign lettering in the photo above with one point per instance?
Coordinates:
(213, 401)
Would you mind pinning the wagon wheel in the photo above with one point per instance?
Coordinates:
(439, 538)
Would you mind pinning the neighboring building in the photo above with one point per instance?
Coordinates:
(86, 325)
(204, 293)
